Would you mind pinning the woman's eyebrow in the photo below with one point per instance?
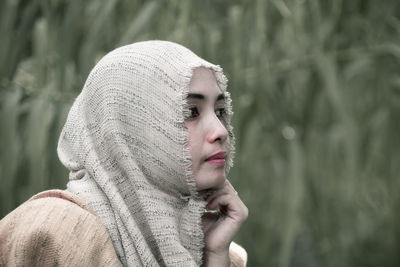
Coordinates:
(195, 96)
(200, 96)
(221, 97)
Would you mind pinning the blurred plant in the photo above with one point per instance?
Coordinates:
(316, 94)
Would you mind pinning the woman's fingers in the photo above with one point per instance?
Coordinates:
(227, 188)
(230, 206)
(221, 230)
(229, 203)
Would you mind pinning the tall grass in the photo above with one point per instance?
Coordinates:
(316, 93)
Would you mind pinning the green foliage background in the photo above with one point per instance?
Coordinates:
(316, 94)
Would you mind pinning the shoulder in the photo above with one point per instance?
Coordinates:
(52, 228)
(237, 255)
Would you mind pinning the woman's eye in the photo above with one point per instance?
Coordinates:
(193, 113)
(220, 112)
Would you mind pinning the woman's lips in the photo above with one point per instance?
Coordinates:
(217, 159)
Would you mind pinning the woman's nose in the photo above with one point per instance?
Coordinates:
(216, 131)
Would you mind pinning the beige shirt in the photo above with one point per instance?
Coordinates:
(56, 228)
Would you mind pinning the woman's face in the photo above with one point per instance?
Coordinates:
(208, 136)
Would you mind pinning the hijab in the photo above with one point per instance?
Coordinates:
(125, 144)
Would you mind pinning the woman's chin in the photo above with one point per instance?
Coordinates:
(211, 182)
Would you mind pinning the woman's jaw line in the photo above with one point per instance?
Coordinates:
(212, 188)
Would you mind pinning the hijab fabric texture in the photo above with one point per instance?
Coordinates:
(125, 144)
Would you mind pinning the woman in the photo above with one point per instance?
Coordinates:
(148, 143)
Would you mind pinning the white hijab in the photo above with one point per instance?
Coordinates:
(126, 146)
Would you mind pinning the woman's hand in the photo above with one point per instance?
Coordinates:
(221, 227)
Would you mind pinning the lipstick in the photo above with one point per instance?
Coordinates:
(217, 159)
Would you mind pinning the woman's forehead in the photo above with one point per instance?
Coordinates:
(204, 82)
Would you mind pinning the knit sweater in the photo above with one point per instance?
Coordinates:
(56, 228)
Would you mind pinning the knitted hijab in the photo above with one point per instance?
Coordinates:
(126, 145)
